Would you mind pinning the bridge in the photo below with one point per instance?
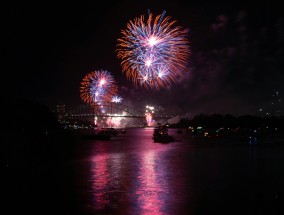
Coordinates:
(111, 110)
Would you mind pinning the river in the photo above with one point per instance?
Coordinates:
(130, 174)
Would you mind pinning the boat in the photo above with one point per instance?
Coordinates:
(161, 135)
(163, 139)
(110, 131)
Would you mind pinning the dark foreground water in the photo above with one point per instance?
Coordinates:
(132, 175)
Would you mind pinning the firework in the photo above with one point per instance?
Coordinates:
(97, 87)
(149, 118)
(153, 53)
(116, 99)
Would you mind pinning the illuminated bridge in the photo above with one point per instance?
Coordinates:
(111, 110)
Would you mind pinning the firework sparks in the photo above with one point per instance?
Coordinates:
(116, 99)
(98, 86)
(153, 53)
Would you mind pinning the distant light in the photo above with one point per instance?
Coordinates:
(150, 107)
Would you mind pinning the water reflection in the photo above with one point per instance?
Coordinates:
(100, 181)
(133, 175)
(134, 178)
(106, 178)
(152, 190)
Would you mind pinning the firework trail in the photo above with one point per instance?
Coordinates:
(153, 53)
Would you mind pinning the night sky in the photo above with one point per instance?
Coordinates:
(236, 61)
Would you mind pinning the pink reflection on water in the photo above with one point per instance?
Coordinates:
(151, 194)
(100, 181)
(106, 178)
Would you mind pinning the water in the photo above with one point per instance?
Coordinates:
(131, 174)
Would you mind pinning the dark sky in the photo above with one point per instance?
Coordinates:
(236, 61)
